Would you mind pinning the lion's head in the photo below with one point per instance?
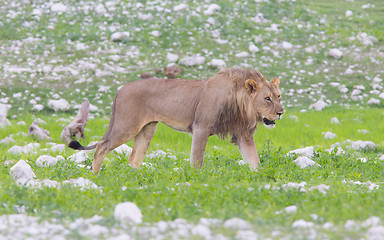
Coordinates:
(251, 99)
(265, 97)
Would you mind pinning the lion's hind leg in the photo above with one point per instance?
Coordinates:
(107, 144)
(141, 143)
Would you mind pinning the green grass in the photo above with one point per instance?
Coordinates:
(223, 188)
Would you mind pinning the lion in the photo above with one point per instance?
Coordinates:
(232, 102)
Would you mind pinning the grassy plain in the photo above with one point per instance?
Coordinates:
(50, 55)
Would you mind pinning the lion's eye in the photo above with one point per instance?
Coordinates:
(268, 99)
(278, 96)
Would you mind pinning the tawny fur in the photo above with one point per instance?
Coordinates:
(231, 102)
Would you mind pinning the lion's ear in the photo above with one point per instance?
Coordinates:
(252, 86)
(276, 82)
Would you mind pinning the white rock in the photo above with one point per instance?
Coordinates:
(146, 17)
(212, 9)
(286, 45)
(128, 212)
(237, 223)
(3, 114)
(21, 171)
(246, 235)
(372, 221)
(319, 105)
(58, 105)
(321, 188)
(82, 183)
(192, 60)
(38, 107)
(155, 33)
(242, 54)
(253, 48)
(120, 36)
(7, 140)
(302, 224)
(59, 8)
(375, 233)
(290, 209)
(329, 135)
(180, 7)
(79, 157)
(348, 13)
(218, 63)
(58, 148)
(307, 151)
(304, 162)
(202, 231)
(123, 149)
(172, 58)
(114, 58)
(363, 145)
(335, 53)
(373, 101)
(350, 225)
(377, 79)
(334, 120)
(46, 161)
(26, 149)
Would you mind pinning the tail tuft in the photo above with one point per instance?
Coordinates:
(75, 145)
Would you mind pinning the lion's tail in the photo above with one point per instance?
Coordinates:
(76, 145)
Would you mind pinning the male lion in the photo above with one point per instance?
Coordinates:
(231, 102)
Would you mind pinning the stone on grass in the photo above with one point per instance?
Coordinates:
(3, 114)
(218, 63)
(192, 60)
(58, 8)
(212, 9)
(123, 149)
(372, 221)
(246, 235)
(334, 120)
(82, 183)
(329, 135)
(237, 223)
(58, 148)
(22, 172)
(58, 105)
(363, 145)
(29, 148)
(318, 106)
(202, 231)
(180, 7)
(302, 224)
(79, 157)
(253, 48)
(120, 36)
(307, 151)
(304, 162)
(335, 53)
(172, 58)
(46, 161)
(290, 209)
(348, 13)
(321, 188)
(373, 101)
(128, 212)
(375, 233)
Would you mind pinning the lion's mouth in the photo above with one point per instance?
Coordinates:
(268, 122)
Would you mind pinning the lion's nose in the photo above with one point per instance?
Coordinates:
(280, 113)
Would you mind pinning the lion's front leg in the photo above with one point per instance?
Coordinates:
(248, 150)
(199, 142)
